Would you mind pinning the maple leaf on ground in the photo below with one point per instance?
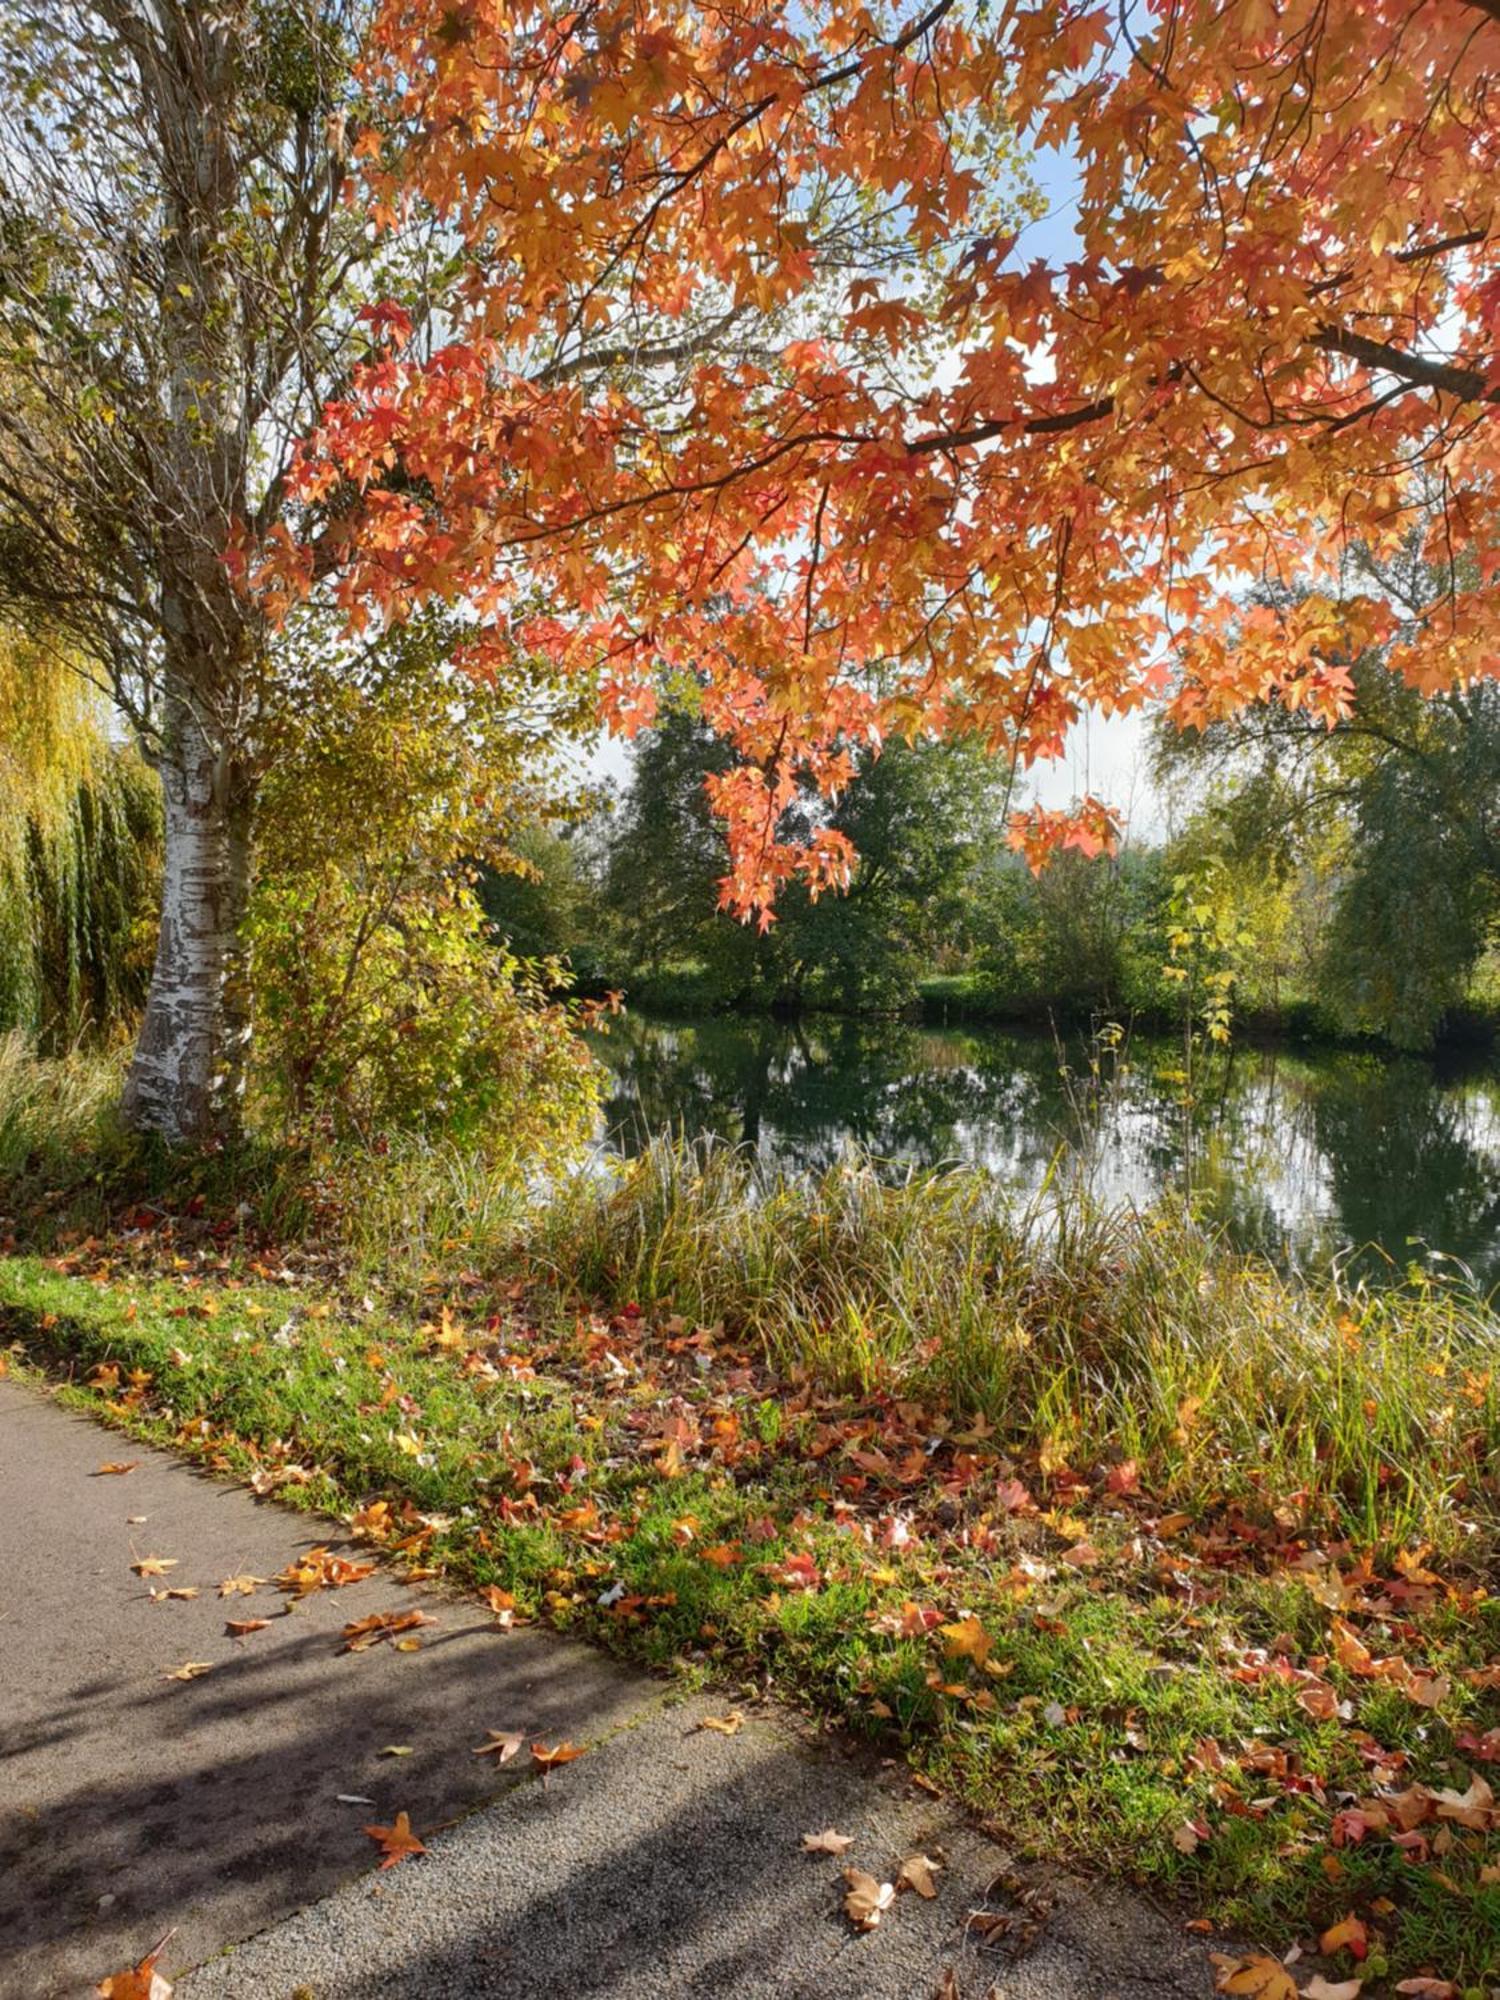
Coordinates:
(182, 1593)
(239, 1628)
(826, 1842)
(396, 1842)
(190, 1670)
(724, 1725)
(1254, 1976)
(916, 1872)
(141, 1981)
(561, 1753)
(866, 1900)
(154, 1565)
(1319, 1988)
(239, 1586)
(502, 1745)
(115, 1467)
(363, 1633)
(1349, 1934)
(967, 1640)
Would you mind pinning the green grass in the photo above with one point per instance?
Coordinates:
(805, 1425)
(1086, 1743)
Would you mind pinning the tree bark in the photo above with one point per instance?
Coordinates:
(187, 1077)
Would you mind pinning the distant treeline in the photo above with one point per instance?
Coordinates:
(1338, 885)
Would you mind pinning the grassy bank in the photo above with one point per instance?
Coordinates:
(1165, 1565)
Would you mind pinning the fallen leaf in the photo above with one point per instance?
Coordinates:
(917, 1871)
(363, 1633)
(1429, 1989)
(502, 1604)
(190, 1670)
(724, 1725)
(826, 1842)
(239, 1586)
(320, 1569)
(967, 1640)
(154, 1565)
(1427, 1690)
(395, 1842)
(396, 1750)
(1349, 1934)
(1319, 1988)
(139, 1982)
(866, 1899)
(947, 1986)
(1190, 1836)
(239, 1628)
(183, 1592)
(502, 1746)
(562, 1753)
(1256, 1976)
(116, 1468)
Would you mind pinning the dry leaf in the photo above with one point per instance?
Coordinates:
(238, 1628)
(502, 1604)
(139, 1982)
(1349, 1931)
(184, 1592)
(917, 1871)
(564, 1753)
(967, 1640)
(826, 1842)
(866, 1899)
(190, 1670)
(366, 1632)
(1255, 1976)
(724, 1725)
(1319, 1988)
(395, 1842)
(154, 1565)
(502, 1746)
(116, 1467)
(396, 1750)
(239, 1586)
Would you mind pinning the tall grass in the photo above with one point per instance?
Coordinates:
(1088, 1331)
(56, 1114)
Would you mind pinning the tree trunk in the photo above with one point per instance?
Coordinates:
(187, 1076)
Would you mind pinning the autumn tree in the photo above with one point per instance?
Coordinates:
(993, 490)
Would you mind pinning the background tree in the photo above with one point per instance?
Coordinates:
(80, 854)
(1386, 824)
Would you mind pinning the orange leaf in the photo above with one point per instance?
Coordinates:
(396, 1842)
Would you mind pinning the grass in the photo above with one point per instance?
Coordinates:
(1161, 1562)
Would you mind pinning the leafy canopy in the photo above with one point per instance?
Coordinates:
(1012, 487)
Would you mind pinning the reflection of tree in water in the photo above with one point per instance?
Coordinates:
(1412, 1157)
(1299, 1156)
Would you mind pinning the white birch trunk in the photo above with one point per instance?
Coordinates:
(187, 1074)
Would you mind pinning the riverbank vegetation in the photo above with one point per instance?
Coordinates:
(1166, 1563)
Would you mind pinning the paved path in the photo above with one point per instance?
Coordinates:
(665, 1862)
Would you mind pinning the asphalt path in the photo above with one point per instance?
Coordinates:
(667, 1860)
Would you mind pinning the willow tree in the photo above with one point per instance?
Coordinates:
(179, 284)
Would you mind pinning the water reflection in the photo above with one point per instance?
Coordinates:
(1305, 1156)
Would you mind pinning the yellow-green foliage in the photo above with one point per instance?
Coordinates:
(80, 841)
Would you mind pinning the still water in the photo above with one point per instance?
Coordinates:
(1305, 1156)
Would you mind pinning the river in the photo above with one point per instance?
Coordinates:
(1306, 1155)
